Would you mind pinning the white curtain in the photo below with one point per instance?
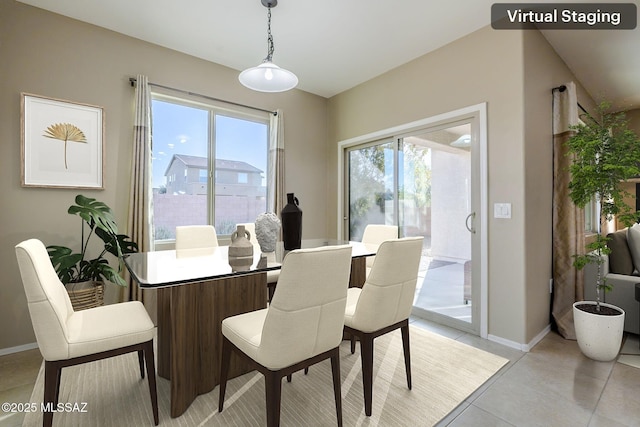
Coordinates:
(275, 185)
(140, 196)
(568, 220)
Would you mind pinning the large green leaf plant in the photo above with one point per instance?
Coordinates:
(98, 220)
(604, 153)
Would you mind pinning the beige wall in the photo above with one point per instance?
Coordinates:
(485, 66)
(543, 70)
(634, 120)
(50, 55)
(513, 72)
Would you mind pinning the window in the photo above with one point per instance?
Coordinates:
(203, 175)
(591, 217)
(592, 209)
(193, 142)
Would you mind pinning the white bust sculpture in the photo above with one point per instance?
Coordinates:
(267, 230)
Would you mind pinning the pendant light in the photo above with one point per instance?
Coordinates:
(463, 142)
(268, 77)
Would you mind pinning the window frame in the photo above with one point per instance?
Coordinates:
(214, 110)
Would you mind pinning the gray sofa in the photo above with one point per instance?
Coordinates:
(620, 273)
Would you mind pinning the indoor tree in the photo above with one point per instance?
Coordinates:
(604, 153)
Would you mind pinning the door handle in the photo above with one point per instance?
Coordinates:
(471, 217)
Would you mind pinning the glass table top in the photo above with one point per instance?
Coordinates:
(166, 268)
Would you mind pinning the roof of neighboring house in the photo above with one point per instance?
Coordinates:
(221, 164)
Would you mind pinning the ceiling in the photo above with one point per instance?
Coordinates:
(337, 44)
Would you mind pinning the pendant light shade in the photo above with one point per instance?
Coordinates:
(463, 142)
(268, 77)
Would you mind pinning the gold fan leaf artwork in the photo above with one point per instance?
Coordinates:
(65, 132)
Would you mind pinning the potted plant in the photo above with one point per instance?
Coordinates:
(82, 274)
(604, 154)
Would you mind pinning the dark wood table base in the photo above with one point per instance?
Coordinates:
(190, 336)
(189, 329)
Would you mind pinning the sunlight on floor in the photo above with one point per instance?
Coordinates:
(440, 287)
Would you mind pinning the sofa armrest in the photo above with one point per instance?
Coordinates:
(622, 293)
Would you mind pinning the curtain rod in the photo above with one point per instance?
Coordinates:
(562, 88)
(132, 81)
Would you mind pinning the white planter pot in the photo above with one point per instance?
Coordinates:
(599, 337)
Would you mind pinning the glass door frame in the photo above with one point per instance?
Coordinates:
(477, 114)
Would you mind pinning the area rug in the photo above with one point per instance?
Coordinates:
(444, 373)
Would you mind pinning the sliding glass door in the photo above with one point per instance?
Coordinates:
(424, 182)
(444, 290)
(371, 190)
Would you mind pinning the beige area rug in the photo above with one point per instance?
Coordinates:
(630, 352)
(444, 372)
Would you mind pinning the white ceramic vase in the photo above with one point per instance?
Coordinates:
(599, 337)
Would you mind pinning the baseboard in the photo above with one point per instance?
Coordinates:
(18, 349)
(520, 346)
(537, 339)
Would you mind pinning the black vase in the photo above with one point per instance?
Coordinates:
(291, 217)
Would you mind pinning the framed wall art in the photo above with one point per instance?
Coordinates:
(62, 143)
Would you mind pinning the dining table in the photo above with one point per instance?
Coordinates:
(194, 295)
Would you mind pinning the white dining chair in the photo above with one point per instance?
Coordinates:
(195, 240)
(384, 304)
(376, 234)
(66, 337)
(301, 327)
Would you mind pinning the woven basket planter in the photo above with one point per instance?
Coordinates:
(85, 295)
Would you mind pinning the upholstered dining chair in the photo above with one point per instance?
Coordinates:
(383, 304)
(67, 337)
(195, 240)
(302, 325)
(377, 233)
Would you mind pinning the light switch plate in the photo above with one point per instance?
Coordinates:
(502, 210)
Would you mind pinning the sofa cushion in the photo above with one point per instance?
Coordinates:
(620, 259)
(633, 241)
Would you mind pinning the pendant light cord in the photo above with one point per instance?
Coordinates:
(270, 47)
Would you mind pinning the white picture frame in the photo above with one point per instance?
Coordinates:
(62, 143)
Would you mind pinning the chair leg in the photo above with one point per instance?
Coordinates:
(306, 371)
(337, 393)
(59, 369)
(366, 355)
(407, 352)
(151, 377)
(52, 371)
(273, 391)
(141, 363)
(353, 343)
(224, 371)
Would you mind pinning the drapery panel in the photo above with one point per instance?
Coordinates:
(568, 220)
(276, 195)
(140, 195)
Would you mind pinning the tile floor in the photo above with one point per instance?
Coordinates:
(18, 372)
(553, 385)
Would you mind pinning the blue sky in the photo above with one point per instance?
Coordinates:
(178, 129)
